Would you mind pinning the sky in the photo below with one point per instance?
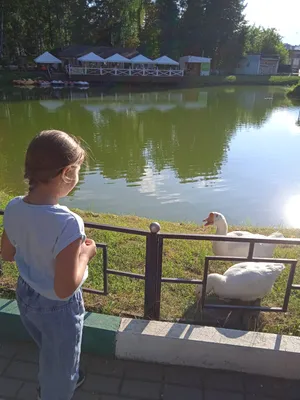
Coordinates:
(283, 15)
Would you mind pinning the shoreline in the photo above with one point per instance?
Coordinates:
(181, 259)
(187, 82)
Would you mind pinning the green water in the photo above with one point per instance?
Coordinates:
(174, 155)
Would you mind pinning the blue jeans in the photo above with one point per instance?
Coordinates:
(56, 327)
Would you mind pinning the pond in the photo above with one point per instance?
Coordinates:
(172, 155)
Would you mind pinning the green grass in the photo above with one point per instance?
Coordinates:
(214, 80)
(181, 259)
(294, 92)
(284, 80)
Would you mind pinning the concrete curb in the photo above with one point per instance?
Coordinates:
(206, 347)
(99, 333)
(176, 344)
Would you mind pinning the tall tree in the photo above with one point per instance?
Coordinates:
(168, 21)
(150, 32)
(191, 29)
(221, 25)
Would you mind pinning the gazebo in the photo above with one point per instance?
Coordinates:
(90, 58)
(117, 59)
(165, 60)
(141, 60)
(47, 58)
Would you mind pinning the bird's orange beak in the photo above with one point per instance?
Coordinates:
(209, 220)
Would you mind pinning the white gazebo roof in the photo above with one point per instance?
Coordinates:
(90, 57)
(140, 59)
(117, 58)
(47, 58)
(164, 60)
(197, 60)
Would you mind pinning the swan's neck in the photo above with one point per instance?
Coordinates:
(222, 227)
(214, 281)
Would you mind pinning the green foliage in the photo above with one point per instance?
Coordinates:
(294, 92)
(172, 27)
(230, 79)
(168, 17)
(266, 41)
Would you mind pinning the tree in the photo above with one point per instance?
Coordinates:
(168, 22)
(150, 31)
(221, 25)
(266, 41)
(192, 27)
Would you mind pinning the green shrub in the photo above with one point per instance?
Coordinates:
(294, 92)
(230, 79)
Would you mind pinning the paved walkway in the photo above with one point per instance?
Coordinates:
(120, 380)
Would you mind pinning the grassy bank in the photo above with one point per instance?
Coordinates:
(182, 259)
(294, 92)
(198, 81)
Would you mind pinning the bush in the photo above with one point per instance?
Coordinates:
(230, 79)
(294, 92)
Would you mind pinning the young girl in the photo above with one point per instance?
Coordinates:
(48, 243)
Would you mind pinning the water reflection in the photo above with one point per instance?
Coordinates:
(292, 211)
(146, 144)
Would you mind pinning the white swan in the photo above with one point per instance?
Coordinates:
(237, 249)
(247, 281)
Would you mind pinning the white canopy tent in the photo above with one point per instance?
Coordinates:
(117, 58)
(91, 57)
(47, 58)
(140, 59)
(164, 60)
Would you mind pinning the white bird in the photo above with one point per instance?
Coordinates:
(247, 281)
(238, 249)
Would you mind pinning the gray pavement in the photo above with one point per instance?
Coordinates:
(121, 380)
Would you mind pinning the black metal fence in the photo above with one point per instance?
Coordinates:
(153, 266)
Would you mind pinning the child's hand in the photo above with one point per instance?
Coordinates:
(88, 248)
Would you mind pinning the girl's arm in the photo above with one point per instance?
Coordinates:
(8, 251)
(70, 265)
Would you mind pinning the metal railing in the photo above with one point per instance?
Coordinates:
(153, 266)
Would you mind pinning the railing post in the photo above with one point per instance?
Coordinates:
(153, 273)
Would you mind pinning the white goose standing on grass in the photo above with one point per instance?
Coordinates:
(238, 249)
(247, 281)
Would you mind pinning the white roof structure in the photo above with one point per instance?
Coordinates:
(117, 58)
(140, 59)
(91, 57)
(47, 58)
(196, 60)
(164, 60)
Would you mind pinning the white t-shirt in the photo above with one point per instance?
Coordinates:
(39, 233)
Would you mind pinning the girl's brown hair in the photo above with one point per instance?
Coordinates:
(48, 154)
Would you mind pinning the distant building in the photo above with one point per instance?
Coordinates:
(258, 64)
(197, 66)
(70, 54)
(294, 58)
